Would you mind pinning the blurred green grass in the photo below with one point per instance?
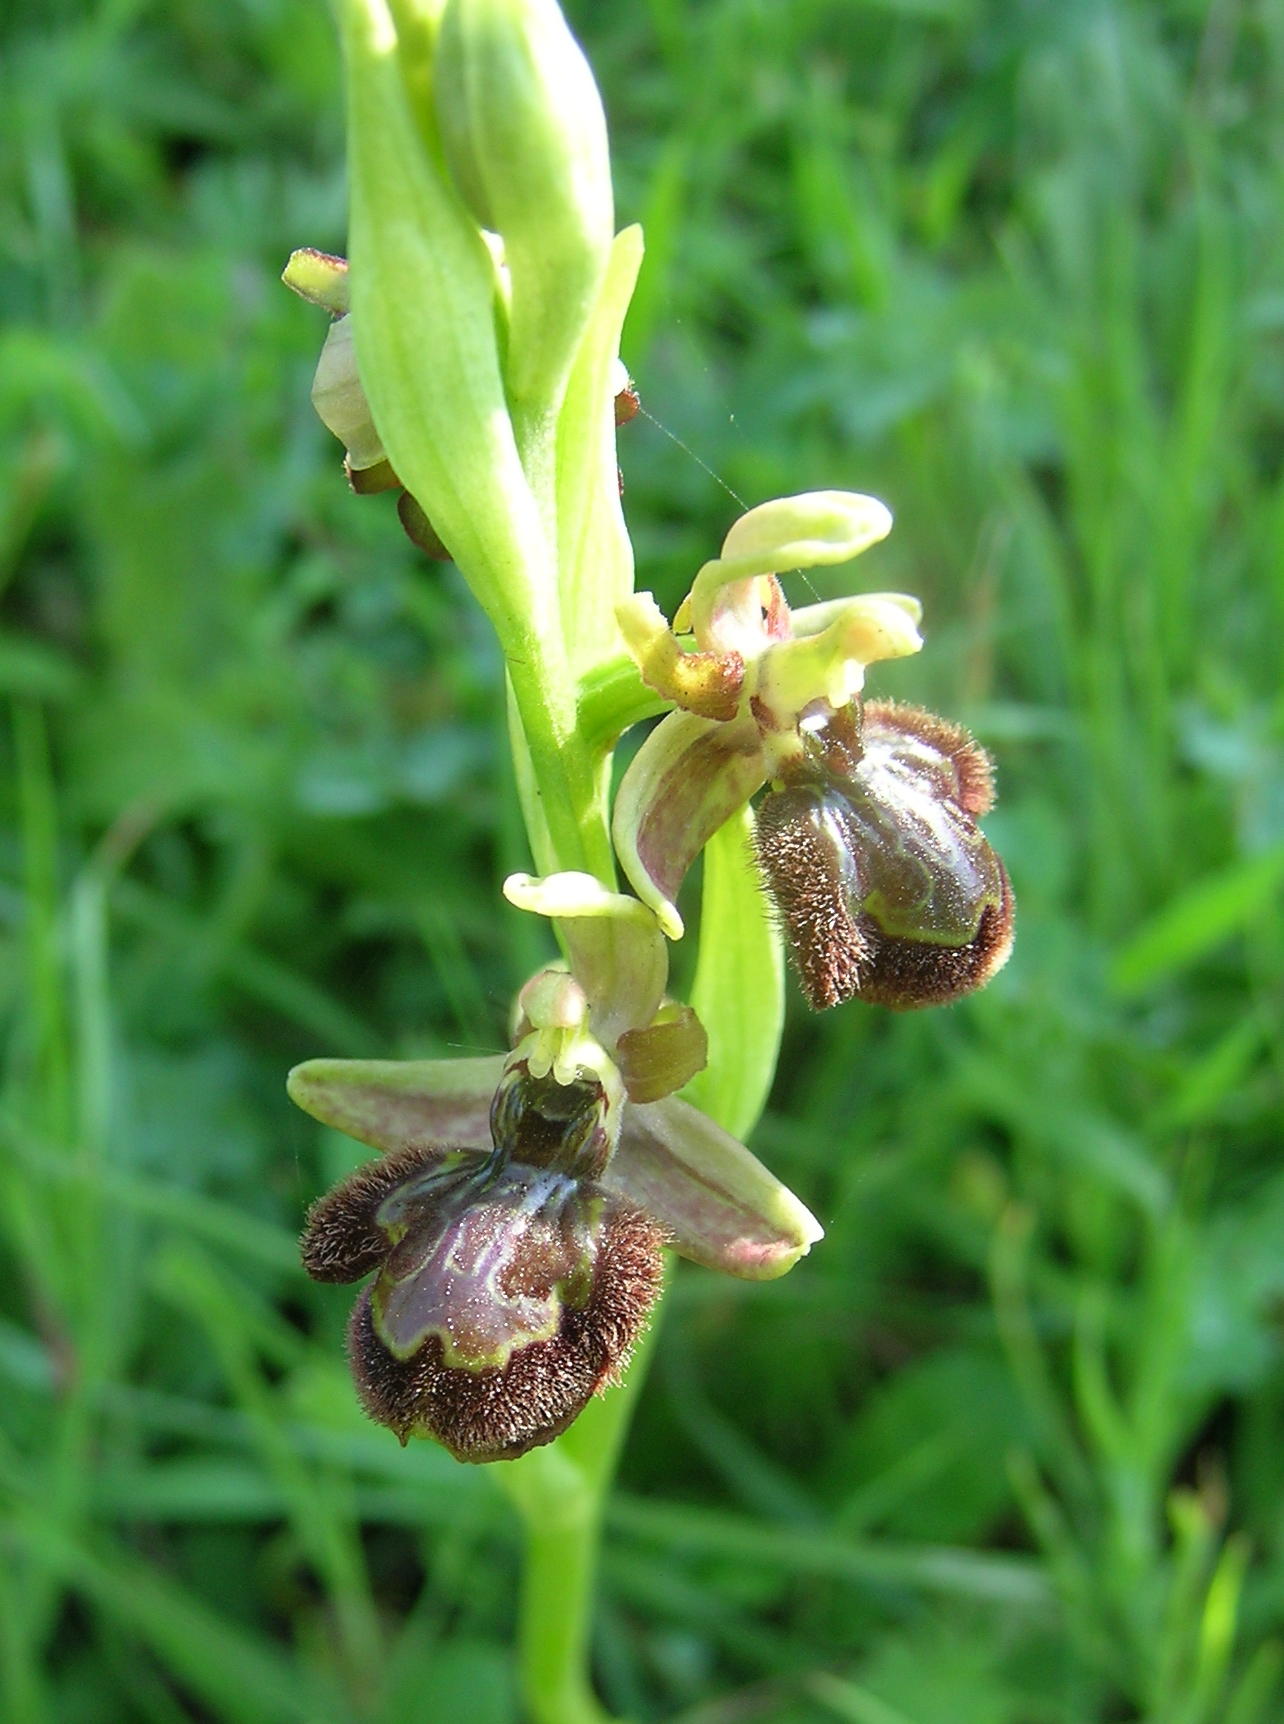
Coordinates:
(1005, 1450)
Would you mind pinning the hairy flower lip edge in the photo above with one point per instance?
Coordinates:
(500, 1413)
(716, 1202)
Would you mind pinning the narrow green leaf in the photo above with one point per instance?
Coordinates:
(739, 990)
(1192, 924)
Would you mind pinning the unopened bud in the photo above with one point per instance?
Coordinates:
(341, 402)
(524, 137)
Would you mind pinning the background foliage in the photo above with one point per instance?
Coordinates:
(1006, 1449)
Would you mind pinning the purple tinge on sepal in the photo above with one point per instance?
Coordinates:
(689, 776)
(390, 1103)
(717, 1203)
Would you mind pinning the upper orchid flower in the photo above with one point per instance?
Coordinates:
(750, 680)
(516, 1220)
(867, 839)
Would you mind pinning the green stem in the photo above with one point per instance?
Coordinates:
(560, 1562)
(562, 778)
(560, 1490)
(561, 1493)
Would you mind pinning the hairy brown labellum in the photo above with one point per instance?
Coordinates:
(887, 889)
(499, 1412)
(342, 1241)
(509, 1287)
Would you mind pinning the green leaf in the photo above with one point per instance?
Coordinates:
(739, 990)
(1192, 924)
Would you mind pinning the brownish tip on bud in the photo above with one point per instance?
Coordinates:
(369, 481)
(420, 530)
(500, 1412)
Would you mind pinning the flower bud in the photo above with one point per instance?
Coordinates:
(341, 402)
(628, 403)
(886, 888)
(524, 137)
(320, 278)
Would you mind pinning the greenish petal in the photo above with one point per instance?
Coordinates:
(689, 776)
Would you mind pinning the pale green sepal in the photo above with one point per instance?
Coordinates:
(615, 947)
(390, 1103)
(829, 662)
(595, 556)
(689, 776)
(720, 1205)
(524, 136)
(423, 295)
(900, 613)
(739, 988)
(803, 532)
(340, 401)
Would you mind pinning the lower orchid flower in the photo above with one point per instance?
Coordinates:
(514, 1225)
